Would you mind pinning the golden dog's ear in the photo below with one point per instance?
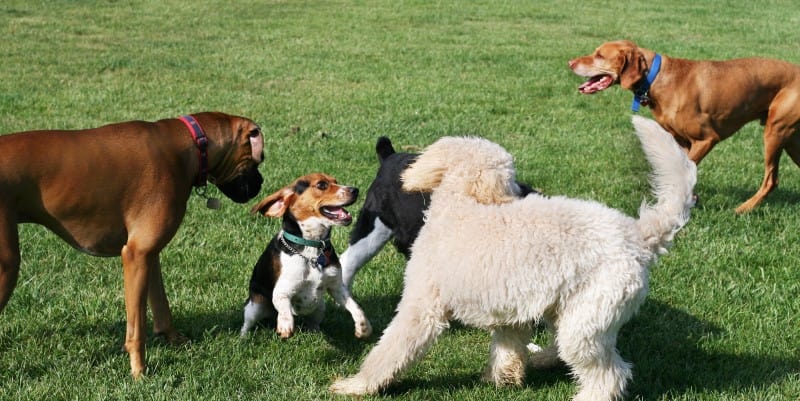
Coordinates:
(492, 187)
(276, 204)
(425, 173)
(633, 67)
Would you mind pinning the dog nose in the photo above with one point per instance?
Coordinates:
(572, 63)
(353, 191)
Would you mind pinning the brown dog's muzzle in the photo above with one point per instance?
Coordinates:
(243, 187)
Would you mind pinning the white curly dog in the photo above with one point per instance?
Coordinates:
(504, 264)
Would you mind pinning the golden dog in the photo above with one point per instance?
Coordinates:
(704, 102)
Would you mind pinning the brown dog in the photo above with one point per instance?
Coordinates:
(704, 102)
(122, 189)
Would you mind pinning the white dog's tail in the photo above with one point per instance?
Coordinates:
(673, 178)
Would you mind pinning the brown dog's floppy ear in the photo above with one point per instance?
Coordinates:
(633, 67)
(276, 204)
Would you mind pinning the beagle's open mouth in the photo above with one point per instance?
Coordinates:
(337, 214)
(596, 84)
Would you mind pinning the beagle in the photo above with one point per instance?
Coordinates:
(300, 264)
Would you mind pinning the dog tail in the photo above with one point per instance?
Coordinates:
(384, 148)
(673, 178)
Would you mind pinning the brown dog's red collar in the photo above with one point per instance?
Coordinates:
(201, 141)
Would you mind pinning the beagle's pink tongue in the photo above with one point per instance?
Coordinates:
(595, 84)
(337, 213)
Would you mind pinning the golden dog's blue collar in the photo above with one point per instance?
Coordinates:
(641, 96)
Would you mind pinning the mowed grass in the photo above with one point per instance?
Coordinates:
(325, 79)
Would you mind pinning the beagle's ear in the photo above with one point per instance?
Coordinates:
(633, 67)
(276, 204)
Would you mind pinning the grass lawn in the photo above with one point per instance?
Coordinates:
(325, 79)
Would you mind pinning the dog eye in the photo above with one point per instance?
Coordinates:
(322, 185)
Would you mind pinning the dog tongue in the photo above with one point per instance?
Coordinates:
(595, 84)
(338, 213)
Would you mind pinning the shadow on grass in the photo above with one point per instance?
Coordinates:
(662, 342)
(728, 197)
(664, 345)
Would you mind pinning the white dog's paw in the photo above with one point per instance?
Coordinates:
(285, 326)
(363, 329)
(534, 348)
(350, 386)
(543, 358)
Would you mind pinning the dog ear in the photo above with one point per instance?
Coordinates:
(633, 67)
(425, 173)
(276, 204)
(492, 187)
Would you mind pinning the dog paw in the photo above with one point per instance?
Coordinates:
(363, 329)
(349, 386)
(285, 326)
(137, 373)
(543, 358)
(174, 338)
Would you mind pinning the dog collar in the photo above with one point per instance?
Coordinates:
(306, 242)
(323, 259)
(641, 95)
(201, 141)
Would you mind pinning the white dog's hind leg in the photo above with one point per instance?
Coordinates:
(508, 355)
(406, 339)
(589, 349)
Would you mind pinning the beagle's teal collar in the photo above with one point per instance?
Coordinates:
(306, 242)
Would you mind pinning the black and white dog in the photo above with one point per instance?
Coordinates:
(388, 212)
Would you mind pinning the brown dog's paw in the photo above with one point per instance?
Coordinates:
(172, 338)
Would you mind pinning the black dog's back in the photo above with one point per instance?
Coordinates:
(399, 210)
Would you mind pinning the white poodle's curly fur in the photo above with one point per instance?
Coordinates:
(505, 264)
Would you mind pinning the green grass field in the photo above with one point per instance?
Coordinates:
(325, 79)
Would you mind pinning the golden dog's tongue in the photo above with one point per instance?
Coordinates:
(595, 84)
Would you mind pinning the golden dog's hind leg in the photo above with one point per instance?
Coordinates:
(9, 258)
(774, 142)
(779, 129)
(508, 355)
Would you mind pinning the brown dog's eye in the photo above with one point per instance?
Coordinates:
(322, 185)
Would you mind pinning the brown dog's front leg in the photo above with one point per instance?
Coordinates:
(9, 259)
(135, 271)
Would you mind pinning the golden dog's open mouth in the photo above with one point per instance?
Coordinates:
(337, 214)
(596, 84)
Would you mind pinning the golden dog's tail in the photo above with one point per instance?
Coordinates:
(673, 178)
